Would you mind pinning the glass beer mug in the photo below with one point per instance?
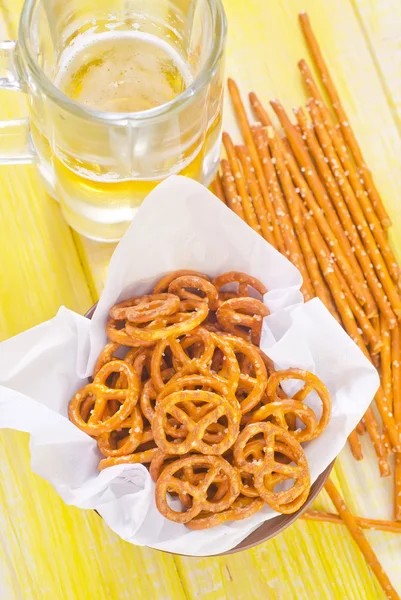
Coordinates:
(121, 94)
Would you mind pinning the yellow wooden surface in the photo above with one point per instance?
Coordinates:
(49, 551)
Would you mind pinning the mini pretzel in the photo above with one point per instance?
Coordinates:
(143, 309)
(182, 285)
(243, 317)
(312, 384)
(279, 411)
(101, 395)
(117, 332)
(241, 508)
(161, 460)
(106, 355)
(194, 312)
(244, 282)
(129, 443)
(253, 452)
(170, 481)
(267, 472)
(162, 285)
(218, 406)
(141, 456)
(215, 432)
(253, 380)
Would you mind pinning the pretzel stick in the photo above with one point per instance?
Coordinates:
(396, 385)
(322, 199)
(230, 190)
(339, 143)
(249, 211)
(326, 263)
(348, 165)
(320, 287)
(294, 252)
(361, 428)
(342, 210)
(352, 329)
(371, 334)
(255, 194)
(247, 134)
(324, 256)
(356, 211)
(373, 524)
(217, 188)
(345, 258)
(385, 355)
(343, 120)
(359, 538)
(379, 442)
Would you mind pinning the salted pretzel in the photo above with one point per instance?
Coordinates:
(241, 508)
(125, 444)
(183, 285)
(279, 411)
(212, 467)
(143, 309)
(312, 384)
(162, 285)
(243, 317)
(253, 376)
(217, 407)
(267, 472)
(142, 455)
(242, 282)
(190, 314)
(101, 395)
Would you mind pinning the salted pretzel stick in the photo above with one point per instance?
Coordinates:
(361, 428)
(396, 385)
(326, 264)
(385, 355)
(254, 190)
(360, 539)
(320, 287)
(356, 211)
(230, 190)
(345, 217)
(322, 252)
(247, 135)
(249, 211)
(217, 188)
(322, 199)
(294, 252)
(330, 227)
(343, 120)
(379, 442)
(341, 148)
(352, 329)
(354, 178)
(373, 524)
(372, 335)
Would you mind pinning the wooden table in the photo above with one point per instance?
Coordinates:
(49, 551)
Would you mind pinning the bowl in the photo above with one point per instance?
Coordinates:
(272, 527)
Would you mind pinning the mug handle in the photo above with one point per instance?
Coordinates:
(15, 141)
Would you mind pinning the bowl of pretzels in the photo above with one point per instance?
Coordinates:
(198, 410)
(183, 388)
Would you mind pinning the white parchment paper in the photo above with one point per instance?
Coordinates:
(180, 225)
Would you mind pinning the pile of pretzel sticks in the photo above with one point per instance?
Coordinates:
(308, 192)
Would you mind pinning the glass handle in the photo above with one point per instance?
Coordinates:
(15, 143)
